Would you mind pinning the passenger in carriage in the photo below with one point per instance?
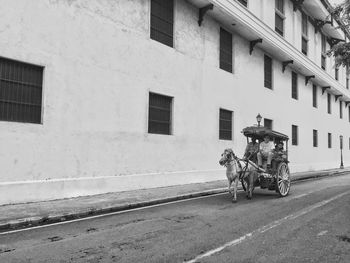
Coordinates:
(265, 150)
(251, 150)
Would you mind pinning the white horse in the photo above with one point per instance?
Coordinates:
(235, 172)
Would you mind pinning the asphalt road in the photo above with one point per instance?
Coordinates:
(312, 224)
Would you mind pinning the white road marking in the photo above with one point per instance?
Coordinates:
(322, 233)
(266, 228)
(113, 213)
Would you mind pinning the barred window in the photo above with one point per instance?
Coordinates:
(304, 47)
(225, 126)
(20, 91)
(304, 23)
(162, 20)
(159, 114)
(329, 140)
(315, 138)
(279, 24)
(340, 109)
(329, 103)
(244, 2)
(323, 43)
(267, 72)
(294, 135)
(279, 4)
(336, 73)
(294, 85)
(225, 50)
(268, 123)
(314, 96)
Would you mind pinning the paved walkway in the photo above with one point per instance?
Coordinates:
(38, 213)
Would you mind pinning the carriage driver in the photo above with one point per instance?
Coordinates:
(265, 150)
(251, 150)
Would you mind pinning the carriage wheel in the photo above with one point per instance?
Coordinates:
(283, 179)
(244, 185)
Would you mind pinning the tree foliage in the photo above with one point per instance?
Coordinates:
(341, 51)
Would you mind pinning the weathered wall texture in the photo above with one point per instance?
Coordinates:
(100, 65)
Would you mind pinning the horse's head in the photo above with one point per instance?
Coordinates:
(227, 156)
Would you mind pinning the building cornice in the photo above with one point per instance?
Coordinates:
(277, 45)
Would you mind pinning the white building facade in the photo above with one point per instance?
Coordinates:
(111, 95)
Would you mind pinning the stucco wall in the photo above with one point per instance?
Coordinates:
(100, 65)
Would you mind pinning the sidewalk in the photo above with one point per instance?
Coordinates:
(39, 213)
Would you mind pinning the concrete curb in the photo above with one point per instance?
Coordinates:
(51, 219)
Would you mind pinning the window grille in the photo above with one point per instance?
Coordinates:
(279, 4)
(304, 47)
(294, 135)
(20, 91)
(294, 85)
(267, 72)
(329, 103)
(279, 24)
(323, 43)
(304, 24)
(244, 2)
(340, 109)
(159, 114)
(336, 73)
(225, 126)
(314, 96)
(225, 50)
(162, 20)
(268, 123)
(315, 138)
(329, 140)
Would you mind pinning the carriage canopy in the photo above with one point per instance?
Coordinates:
(259, 132)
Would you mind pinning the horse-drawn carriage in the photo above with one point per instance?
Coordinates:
(246, 170)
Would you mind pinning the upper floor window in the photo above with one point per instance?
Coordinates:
(329, 103)
(225, 50)
(162, 21)
(225, 126)
(294, 85)
(159, 114)
(329, 140)
(336, 73)
(279, 16)
(304, 37)
(268, 123)
(267, 72)
(20, 91)
(244, 2)
(314, 96)
(323, 53)
(347, 76)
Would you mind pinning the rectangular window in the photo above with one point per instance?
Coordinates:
(314, 96)
(225, 50)
(279, 16)
(329, 103)
(336, 73)
(162, 21)
(304, 45)
(244, 2)
(340, 109)
(304, 30)
(268, 123)
(323, 52)
(279, 24)
(20, 91)
(159, 114)
(294, 85)
(315, 138)
(225, 126)
(347, 76)
(349, 113)
(294, 135)
(329, 140)
(267, 72)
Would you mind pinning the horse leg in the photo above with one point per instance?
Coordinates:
(234, 200)
(250, 185)
(229, 184)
